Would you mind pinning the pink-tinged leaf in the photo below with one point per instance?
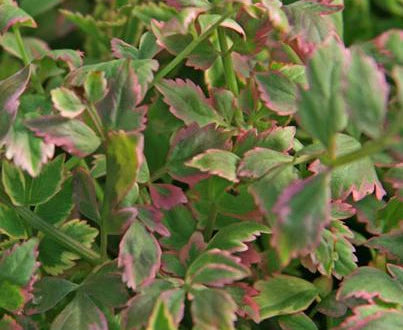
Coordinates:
(330, 306)
(217, 162)
(207, 20)
(175, 301)
(152, 219)
(216, 268)
(8, 323)
(11, 14)
(260, 161)
(397, 74)
(121, 49)
(233, 237)
(342, 210)
(278, 92)
(35, 48)
(187, 102)
(17, 268)
(95, 86)
(267, 190)
(303, 210)
(321, 107)
(396, 271)
(80, 313)
(388, 47)
(84, 194)
(243, 295)
(124, 156)
(391, 244)
(11, 89)
(366, 103)
(166, 196)
(213, 309)
(120, 220)
(373, 317)
(368, 283)
(118, 108)
(310, 25)
(277, 138)
(284, 294)
(67, 102)
(73, 58)
(358, 178)
(189, 142)
(139, 255)
(192, 249)
(72, 135)
(25, 149)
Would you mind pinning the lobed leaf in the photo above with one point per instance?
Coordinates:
(139, 255)
(303, 210)
(167, 196)
(284, 294)
(11, 14)
(217, 162)
(11, 89)
(71, 134)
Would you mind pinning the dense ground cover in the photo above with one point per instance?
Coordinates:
(230, 164)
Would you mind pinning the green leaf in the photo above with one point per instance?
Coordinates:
(10, 223)
(124, 155)
(267, 190)
(95, 86)
(11, 296)
(284, 295)
(187, 102)
(213, 309)
(106, 287)
(24, 190)
(366, 103)
(259, 161)
(180, 224)
(278, 92)
(32, 8)
(296, 322)
(118, 108)
(17, 267)
(302, 210)
(48, 292)
(189, 142)
(59, 207)
(310, 24)
(217, 268)
(28, 151)
(368, 282)
(160, 318)
(56, 259)
(321, 108)
(80, 314)
(72, 135)
(139, 255)
(373, 317)
(358, 178)
(11, 14)
(10, 91)
(233, 237)
(217, 162)
(390, 244)
(67, 102)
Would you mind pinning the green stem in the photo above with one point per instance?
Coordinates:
(57, 235)
(96, 120)
(187, 51)
(229, 73)
(25, 58)
(103, 232)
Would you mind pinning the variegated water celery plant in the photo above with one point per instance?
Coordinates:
(207, 164)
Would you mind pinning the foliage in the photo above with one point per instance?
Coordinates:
(206, 164)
